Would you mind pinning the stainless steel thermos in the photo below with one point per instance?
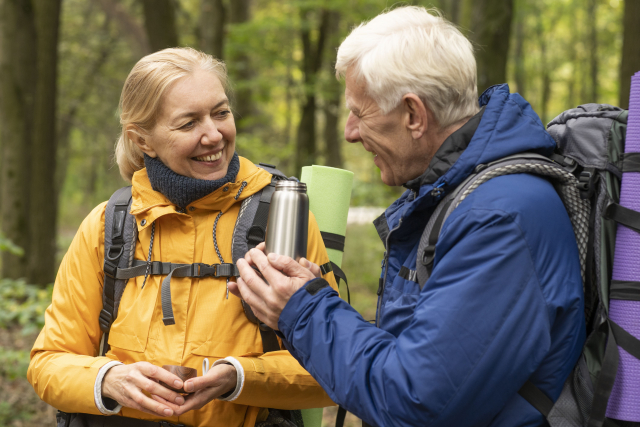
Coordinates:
(287, 226)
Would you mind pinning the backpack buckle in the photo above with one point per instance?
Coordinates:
(110, 269)
(428, 254)
(105, 320)
(587, 183)
(569, 164)
(206, 270)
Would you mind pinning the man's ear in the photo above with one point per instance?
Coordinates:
(141, 140)
(417, 119)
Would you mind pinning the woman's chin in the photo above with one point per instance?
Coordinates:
(208, 170)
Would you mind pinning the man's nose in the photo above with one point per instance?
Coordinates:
(351, 131)
(211, 134)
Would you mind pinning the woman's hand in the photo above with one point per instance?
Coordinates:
(126, 385)
(219, 380)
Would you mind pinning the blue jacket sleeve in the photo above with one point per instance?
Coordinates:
(479, 330)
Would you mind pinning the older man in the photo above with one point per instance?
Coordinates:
(503, 304)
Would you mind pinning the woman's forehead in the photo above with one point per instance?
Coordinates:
(198, 91)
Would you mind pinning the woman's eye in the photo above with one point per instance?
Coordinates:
(188, 125)
(223, 114)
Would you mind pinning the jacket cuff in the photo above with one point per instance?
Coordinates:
(105, 405)
(239, 378)
(302, 300)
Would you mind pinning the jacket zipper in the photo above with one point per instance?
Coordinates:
(384, 277)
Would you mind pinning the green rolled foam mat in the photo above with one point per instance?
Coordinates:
(329, 191)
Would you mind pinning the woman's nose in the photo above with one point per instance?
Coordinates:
(351, 130)
(211, 134)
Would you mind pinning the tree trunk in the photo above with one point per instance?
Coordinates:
(129, 27)
(520, 71)
(452, 10)
(241, 69)
(592, 24)
(17, 89)
(333, 96)
(87, 76)
(545, 77)
(43, 206)
(572, 93)
(212, 31)
(160, 23)
(491, 30)
(630, 61)
(312, 54)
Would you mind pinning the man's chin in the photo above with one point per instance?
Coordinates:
(388, 180)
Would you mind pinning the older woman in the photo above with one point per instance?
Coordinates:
(178, 149)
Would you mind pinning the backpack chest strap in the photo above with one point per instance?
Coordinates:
(157, 268)
(196, 270)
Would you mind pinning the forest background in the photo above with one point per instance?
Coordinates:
(63, 64)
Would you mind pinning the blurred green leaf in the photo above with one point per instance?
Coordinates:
(8, 246)
(23, 304)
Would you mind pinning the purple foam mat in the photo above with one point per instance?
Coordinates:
(624, 403)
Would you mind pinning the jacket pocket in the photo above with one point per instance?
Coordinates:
(130, 330)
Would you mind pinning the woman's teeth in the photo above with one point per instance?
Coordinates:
(210, 158)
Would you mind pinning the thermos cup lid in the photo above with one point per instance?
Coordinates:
(283, 185)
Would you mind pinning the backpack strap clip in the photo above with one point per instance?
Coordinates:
(110, 269)
(105, 319)
(566, 162)
(587, 183)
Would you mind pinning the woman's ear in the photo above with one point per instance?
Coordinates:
(141, 140)
(417, 119)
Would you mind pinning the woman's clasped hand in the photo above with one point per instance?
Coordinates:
(138, 386)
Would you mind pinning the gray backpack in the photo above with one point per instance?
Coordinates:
(585, 170)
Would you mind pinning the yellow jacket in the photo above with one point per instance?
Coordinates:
(64, 358)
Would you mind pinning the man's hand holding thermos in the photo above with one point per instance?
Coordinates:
(282, 259)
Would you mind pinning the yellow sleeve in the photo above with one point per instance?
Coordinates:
(63, 364)
(276, 379)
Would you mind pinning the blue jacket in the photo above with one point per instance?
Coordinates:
(504, 303)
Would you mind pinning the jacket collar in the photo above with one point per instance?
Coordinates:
(150, 205)
(448, 153)
(507, 125)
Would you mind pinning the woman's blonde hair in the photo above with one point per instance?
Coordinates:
(141, 97)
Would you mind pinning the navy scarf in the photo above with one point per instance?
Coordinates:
(183, 190)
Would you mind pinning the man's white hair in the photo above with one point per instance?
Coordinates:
(410, 50)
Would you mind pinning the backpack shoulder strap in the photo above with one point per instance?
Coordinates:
(249, 231)
(565, 184)
(251, 224)
(119, 247)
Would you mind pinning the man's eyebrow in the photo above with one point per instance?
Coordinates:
(350, 107)
(195, 113)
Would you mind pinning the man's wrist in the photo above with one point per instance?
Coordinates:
(105, 405)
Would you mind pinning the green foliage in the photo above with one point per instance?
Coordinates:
(561, 27)
(13, 364)
(7, 245)
(23, 304)
(362, 256)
